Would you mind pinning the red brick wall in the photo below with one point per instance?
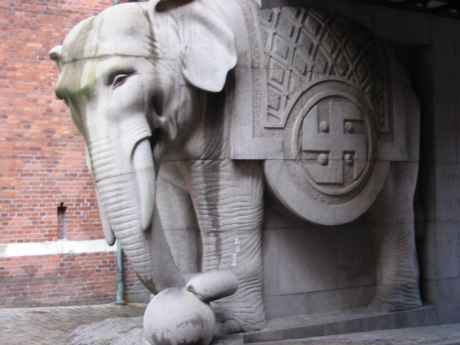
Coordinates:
(59, 280)
(41, 154)
(42, 162)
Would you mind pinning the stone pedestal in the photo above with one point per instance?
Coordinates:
(345, 322)
(337, 327)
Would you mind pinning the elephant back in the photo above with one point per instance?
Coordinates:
(332, 114)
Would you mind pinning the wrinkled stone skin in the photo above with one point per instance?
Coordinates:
(162, 93)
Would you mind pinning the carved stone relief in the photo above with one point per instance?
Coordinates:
(188, 108)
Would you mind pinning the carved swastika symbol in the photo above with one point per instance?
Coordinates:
(335, 141)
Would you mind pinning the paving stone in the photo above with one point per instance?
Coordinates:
(53, 326)
(119, 331)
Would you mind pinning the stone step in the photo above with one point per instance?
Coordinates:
(351, 321)
(431, 335)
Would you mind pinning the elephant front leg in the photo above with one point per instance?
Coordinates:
(392, 220)
(228, 199)
(177, 217)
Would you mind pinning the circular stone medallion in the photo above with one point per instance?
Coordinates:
(331, 175)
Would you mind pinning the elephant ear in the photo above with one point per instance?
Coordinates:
(210, 48)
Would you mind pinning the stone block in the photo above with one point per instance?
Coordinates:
(445, 295)
(313, 258)
(298, 261)
(440, 258)
(351, 321)
(318, 302)
(433, 335)
(278, 217)
(446, 101)
(446, 201)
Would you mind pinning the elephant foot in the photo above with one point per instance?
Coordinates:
(231, 320)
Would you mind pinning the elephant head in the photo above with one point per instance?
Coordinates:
(131, 77)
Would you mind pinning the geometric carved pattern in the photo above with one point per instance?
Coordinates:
(335, 141)
(302, 45)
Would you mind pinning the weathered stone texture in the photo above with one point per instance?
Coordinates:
(42, 164)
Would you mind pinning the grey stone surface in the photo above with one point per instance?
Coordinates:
(387, 23)
(440, 170)
(445, 102)
(441, 251)
(128, 331)
(189, 109)
(359, 320)
(112, 325)
(445, 294)
(53, 326)
(434, 335)
(299, 256)
(117, 331)
(312, 303)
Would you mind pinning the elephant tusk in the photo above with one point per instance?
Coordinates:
(144, 169)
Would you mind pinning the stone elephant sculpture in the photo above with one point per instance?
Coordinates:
(189, 109)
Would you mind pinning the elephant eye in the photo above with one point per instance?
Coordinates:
(118, 79)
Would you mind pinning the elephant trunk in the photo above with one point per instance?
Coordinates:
(125, 176)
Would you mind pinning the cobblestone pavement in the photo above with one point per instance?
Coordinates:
(52, 326)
